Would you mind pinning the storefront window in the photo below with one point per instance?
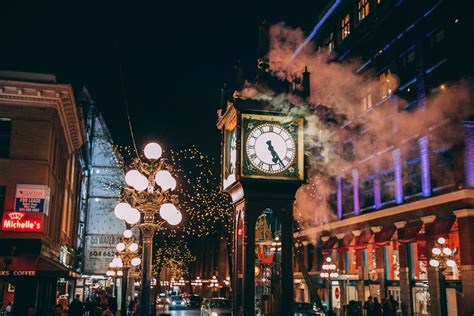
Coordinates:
(418, 260)
(392, 261)
(421, 300)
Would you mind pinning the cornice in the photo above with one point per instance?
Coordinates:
(400, 209)
(57, 96)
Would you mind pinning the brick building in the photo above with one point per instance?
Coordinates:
(40, 136)
(390, 215)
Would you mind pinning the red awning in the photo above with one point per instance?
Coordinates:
(441, 227)
(345, 243)
(363, 239)
(383, 237)
(328, 246)
(409, 233)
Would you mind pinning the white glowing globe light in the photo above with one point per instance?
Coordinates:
(175, 219)
(328, 259)
(133, 177)
(153, 151)
(136, 261)
(167, 210)
(434, 263)
(336, 274)
(141, 184)
(120, 247)
(451, 263)
(133, 216)
(133, 247)
(441, 240)
(118, 262)
(165, 180)
(447, 251)
(119, 273)
(127, 233)
(325, 267)
(111, 265)
(436, 251)
(121, 210)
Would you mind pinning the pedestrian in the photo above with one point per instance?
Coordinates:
(76, 308)
(107, 312)
(394, 304)
(113, 305)
(58, 310)
(377, 307)
(8, 309)
(131, 305)
(31, 310)
(369, 306)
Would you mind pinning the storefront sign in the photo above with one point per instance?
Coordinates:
(18, 273)
(100, 250)
(32, 198)
(22, 222)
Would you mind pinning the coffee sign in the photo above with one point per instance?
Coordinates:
(22, 222)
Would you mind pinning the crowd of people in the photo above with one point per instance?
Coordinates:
(388, 307)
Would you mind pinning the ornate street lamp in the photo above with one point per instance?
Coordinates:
(114, 272)
(127, 257)
(148, 194)
(329, 272)
(442, 255)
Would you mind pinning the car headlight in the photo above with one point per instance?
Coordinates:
(213, 314)
(174, 303)
(182, 303)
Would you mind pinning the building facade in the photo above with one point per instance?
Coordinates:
(393, 205)
(40, 138)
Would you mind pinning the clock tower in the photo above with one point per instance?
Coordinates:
(262, 167)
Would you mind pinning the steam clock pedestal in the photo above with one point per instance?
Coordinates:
(262, 168)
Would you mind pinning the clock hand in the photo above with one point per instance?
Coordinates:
(275, 156)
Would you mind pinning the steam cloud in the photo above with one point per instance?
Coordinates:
(335, 101)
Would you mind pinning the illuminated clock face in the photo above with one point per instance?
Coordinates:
(270, 148)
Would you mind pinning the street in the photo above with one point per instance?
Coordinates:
(192, 312)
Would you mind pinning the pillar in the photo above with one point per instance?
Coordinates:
(380, 263)
(355, 179)
(425, 166)
(469, 153)
(465, 219)
(405, 288)
(398, 176)
(339, 197)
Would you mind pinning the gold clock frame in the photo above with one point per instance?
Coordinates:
(274, 119)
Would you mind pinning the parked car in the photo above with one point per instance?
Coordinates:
(194, 301)
(177, 302)
(304, 308)
(218, 306)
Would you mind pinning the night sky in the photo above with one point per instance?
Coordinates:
(175, 57)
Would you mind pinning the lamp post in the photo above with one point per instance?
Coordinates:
(127, 256)
(442, 258)
(114, 272)
(148, 194)
(329, 272)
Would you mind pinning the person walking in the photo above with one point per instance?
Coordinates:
(76, 308)
(377, 307)
(369, 306)
(8, 309)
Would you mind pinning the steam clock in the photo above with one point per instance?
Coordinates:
(262, 167)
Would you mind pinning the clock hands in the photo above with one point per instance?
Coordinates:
(275, 156)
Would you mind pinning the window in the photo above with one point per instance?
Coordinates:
(412, 172)
(5, 135)
(436, 38)
(330, 42)
(2, 198)
(345, 27)
(347, 198)
(363, 9)
(367, 195)
(386, 83)
(366, 101)
(387, 186)
(444, 166)
(392, 261)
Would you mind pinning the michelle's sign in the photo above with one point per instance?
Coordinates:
(22, 222)
(32, 198)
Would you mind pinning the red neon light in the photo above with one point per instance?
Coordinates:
(240, 231)
(22, 222)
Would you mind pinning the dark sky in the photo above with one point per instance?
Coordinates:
(175, 56)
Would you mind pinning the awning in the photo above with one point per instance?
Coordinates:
(345, 243)
(363, 239)
(441, 227)
(27, 267)
(328, 246)
(409, 233)
(383, 237)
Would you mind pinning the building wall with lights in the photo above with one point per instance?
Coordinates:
(389, 218)
(41, 135)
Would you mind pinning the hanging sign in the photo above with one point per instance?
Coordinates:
(22, 222)
(32, 198)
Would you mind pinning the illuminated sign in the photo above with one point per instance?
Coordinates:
(32, 198)
(22, 222)
(240, 231)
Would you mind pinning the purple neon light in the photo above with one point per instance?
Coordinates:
(377, 192)
(425, 166)
(316, 29)
(469, 153)
(398, 176)
(339, 197)
(355, 179)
